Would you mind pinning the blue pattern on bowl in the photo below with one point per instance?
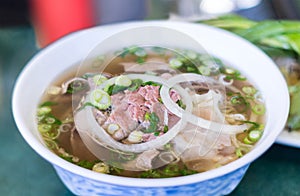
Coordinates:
(222, 185)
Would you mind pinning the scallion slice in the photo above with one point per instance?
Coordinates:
(255, 135)
(123, 80)
(259, 109)
(100, 99)
(43, 110)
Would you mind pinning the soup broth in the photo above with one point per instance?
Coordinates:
(159, 113)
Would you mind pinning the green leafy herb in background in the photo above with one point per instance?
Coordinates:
(277, 38)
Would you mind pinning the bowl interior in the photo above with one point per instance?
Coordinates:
(55, 59)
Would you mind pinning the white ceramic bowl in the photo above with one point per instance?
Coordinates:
(53, 60)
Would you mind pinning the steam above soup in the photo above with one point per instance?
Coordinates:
(152, 112)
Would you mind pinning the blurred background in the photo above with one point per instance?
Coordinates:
(52, 19)
(28, 26)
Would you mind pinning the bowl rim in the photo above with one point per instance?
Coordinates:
(128, 181)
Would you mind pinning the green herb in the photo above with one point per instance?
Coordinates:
(254, 125)
(114, 89)
(48, 103)
(275, 37)
(151, 83)
(88, 104)
(117, 88)
(151, 174)
(154, 120)
(140, 60)
(294, 114)
(166, 128)
(136, 83)
(139, 52)
(181, 104)
(86, 164)
(171, 170)
(116, 170)
(82, 163)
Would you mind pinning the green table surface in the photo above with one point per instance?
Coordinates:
(23, 172)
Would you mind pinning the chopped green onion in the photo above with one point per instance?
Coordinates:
(167, 146)
(247, 141)
(50, 120)
(249, 90)
(229, 71)
(254, 125)
(191, 55)
(259, 109)
(136, 83)
(100, 99)
(147, 116)
(43, 128)
(132, 49)
(123, 80)
(43, 110)
(48, 103)
(99, 79)
(101, 168)
(238, 152)
(140, 60)
(175, 63)
(204, 70)
(255, 135)
(191, 69)
(140, 52)
(237, 100)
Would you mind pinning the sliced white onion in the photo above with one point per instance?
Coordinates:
(188, 116)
